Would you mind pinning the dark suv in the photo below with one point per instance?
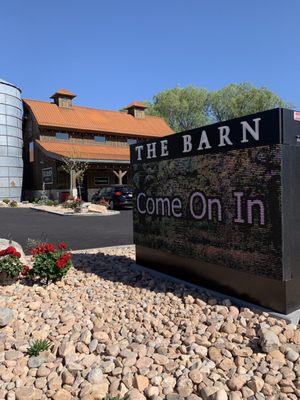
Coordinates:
(118, 196)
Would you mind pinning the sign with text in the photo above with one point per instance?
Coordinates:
(47, 175)
(213, 196)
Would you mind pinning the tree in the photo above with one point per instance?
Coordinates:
(182, 108)
(236, 100)
(76, 169)
(120, 175)
(191, 107)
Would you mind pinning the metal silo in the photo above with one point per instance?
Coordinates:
(11, 141)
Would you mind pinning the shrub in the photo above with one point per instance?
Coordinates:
(76, 203)
(13, 204)
(6, 201)
(49, 203)
(10, 263)
(49, 263)
(38, 346)
(55, 202)
(103, 202)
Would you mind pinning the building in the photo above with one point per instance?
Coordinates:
(11, 141)
(56, 130)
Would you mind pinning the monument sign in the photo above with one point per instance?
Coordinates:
(220, 206)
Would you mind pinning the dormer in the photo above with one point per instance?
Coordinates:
(63, 98)
(137, 109)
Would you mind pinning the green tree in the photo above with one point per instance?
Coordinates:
(236, 100)
(182, 108)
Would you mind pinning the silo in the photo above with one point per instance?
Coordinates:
(11, 141)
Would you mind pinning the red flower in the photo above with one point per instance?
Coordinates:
(63, 260)
(43, 248)
(11, 251)
(25, 270)
(62, 245)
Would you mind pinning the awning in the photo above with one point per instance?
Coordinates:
(93, 153)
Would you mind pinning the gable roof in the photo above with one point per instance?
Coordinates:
(88, 119)
(85, 151)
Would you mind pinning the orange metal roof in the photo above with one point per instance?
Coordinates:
(85, 151)
(94, 120)
(65, 92)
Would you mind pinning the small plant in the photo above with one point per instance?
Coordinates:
(37, 347)
(13, 204)
(6, 201)
(10, 263)
(50, 264)
(55, 202)
(73, 204)
(103, 202)
(49, 203)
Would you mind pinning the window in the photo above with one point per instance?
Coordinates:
(100, 139)
(100, 180)
(62, 136)
(131, 141)
(31, 152)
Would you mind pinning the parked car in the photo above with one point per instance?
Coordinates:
(117, 196)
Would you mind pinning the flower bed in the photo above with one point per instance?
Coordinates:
(49, 263)
(10, 264)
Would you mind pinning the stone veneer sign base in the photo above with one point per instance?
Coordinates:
(219, 206)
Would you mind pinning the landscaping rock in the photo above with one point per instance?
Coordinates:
(97, 208)
(124, 333)
(6, 315)
(95, 376)
(62, 394)
(269, 340)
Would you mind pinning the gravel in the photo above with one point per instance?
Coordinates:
(118, 331)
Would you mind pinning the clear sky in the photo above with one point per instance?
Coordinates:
(113, 52)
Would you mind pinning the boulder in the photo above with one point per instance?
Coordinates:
(4, 243)
(97, 208)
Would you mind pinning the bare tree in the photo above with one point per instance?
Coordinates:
(76, 169)
(120, 175)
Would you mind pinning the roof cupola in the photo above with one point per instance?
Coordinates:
(63, 98)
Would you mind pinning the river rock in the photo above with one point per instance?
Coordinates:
(6, 315)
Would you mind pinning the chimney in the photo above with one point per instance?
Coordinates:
(63, 98)
(137, 109)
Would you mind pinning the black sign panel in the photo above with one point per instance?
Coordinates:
(47, 175)
(239, 133)
(210, 205)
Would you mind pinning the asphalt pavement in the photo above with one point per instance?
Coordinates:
(78, 231)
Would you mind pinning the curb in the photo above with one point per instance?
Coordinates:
(90, 214)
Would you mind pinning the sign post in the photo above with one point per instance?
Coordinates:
(219, 206)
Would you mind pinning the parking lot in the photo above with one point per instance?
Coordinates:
(78, 231)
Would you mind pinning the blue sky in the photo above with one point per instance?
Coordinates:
(113, 52)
